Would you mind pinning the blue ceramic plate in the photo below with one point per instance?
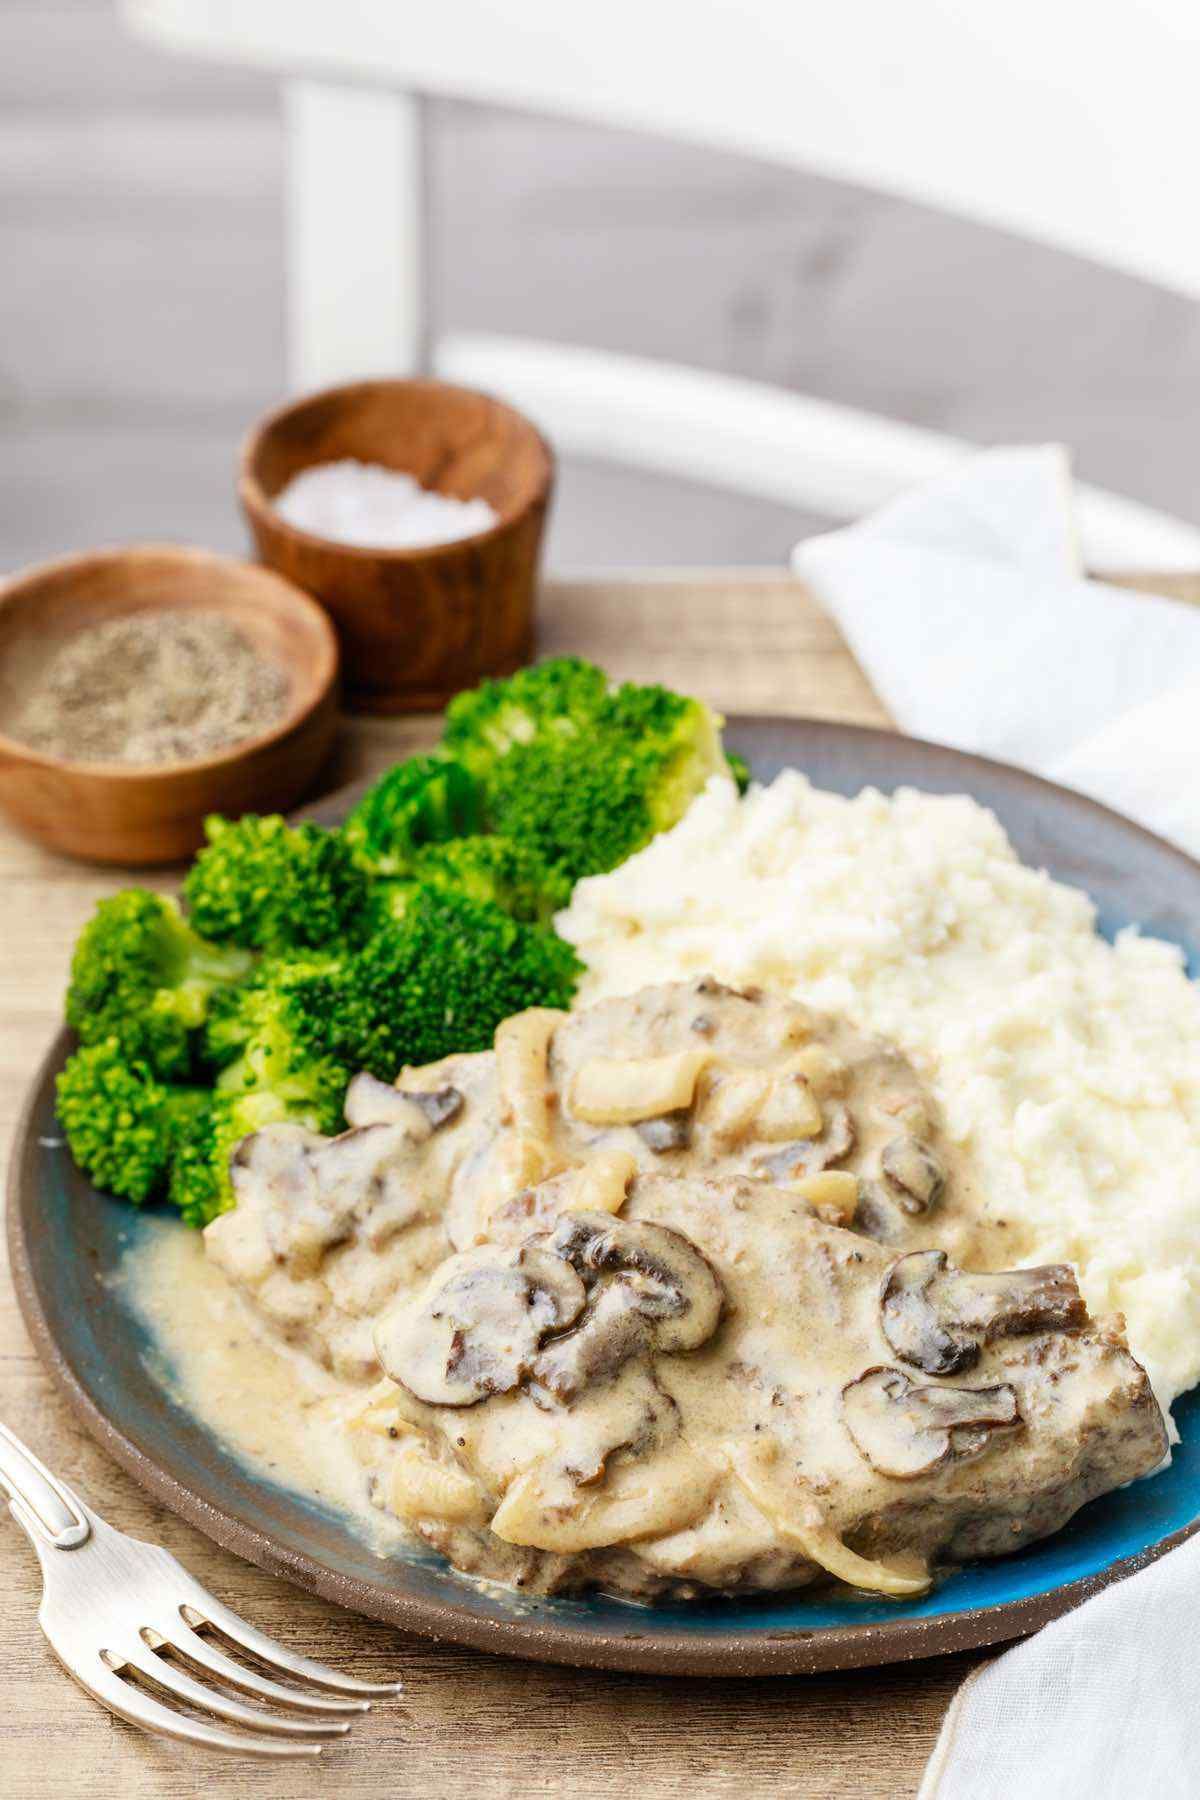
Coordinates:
(65, 1239)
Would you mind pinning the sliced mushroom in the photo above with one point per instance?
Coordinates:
(663, 1295)
(311, 1193)
(439, 1105)
(809, 1155)
(368, 1175)
(615, 1469)
(875, 1215)
(477, 1328)
(669, 1131)
(914, 1172)
(612, 1332)
(616, 1091)
(905, 1431)
(935, 1317)
(672, 1281)
(370, 1101)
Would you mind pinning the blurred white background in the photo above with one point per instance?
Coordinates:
(141, 302)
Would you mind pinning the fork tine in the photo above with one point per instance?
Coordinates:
(168, 1674)
(304, 1667)
(190, 1645)
(140, 1709)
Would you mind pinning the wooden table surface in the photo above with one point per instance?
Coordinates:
(468, 1724)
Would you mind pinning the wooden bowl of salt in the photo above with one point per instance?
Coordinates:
(142, 689)
(417, 620)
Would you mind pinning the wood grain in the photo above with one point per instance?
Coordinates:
(415, 625)
(468, 1725)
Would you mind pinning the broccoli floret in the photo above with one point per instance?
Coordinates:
(142, 975)
(200, 1184)
(440, 980)
(422, 801)
(739, 768)
(196, 1186)
(269, 1038)
(551, 701)
(123, 1125)
(678, 741)
(591, 801)
(237, 1014)
(236, 1115)
(273, 886)
(281, 1031)
(514, 876)
(580, 772)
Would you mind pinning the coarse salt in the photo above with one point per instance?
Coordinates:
(365, 504)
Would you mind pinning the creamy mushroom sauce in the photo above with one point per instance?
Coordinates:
(624, 1276)
(790, 1443)
(282, 1415)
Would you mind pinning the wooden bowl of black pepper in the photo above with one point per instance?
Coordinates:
(144, 688)
(418, 624)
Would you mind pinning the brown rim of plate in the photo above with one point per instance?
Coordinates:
(801, 1651)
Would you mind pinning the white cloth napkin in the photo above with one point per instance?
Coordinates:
(966, 606)
(1102, 1705)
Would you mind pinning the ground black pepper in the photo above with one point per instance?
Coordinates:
(152, 687)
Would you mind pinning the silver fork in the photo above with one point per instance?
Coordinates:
(114, 1607)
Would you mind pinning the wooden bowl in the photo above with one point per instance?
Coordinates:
(118, 813)
(415, 625)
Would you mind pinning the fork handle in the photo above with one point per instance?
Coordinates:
(44, 1506)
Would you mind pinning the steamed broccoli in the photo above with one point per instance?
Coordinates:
(677, 742)
(439, 980)
(542, 705)
(739, 768)
(142, 975)
(238, 1014)
(513, 876)
(406, 937)
(273, 886)
(273, 1038)
(422, 801)
(581, 772)
(123, 1125)
(264, 1036)
(200, 1184)
(591, 800)
(195, 1183)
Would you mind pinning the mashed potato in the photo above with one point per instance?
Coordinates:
(1068, 1068)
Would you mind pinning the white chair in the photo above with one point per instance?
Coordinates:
(1069, 122)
